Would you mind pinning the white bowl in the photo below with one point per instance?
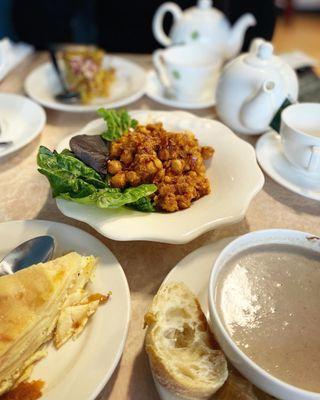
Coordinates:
(234, 175)
(243, 363)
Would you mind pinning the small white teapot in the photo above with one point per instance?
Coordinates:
(202, 24)
(252, 87)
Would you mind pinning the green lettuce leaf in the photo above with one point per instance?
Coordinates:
(55, 163)
(72, 180)
(114, 198)
(117, 121)
(65, 182)
(144, 204)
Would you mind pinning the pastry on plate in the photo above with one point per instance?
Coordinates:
(184, 357)
(86, 74)
(43, 302)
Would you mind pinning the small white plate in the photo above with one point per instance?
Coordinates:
(81, 368)
(275, 164)
(234, 175)
(21, 121)
(155, 91)
(194, 270)
(42, 85)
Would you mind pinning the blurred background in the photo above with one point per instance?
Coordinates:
(120, 26)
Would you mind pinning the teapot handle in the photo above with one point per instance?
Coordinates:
(157, 22)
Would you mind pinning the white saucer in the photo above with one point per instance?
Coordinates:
(274, 163)
(154, 90)
(42, 85)
(21, 121)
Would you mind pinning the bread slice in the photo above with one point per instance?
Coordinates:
(182, 352)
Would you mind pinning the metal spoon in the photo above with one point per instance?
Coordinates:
(6, 143)
(4, 128)
(33, 251)
(66, 96)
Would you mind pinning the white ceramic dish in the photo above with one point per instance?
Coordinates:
(42, 84)
(81, 368)
(155, 91)
(243, 363)
(21, 119)
(275, 164)
(232, 187)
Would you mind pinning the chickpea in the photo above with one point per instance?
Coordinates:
(207, 152)
(126, 157)
(114, 167)
(118, 180)
(164, 154)
(133, 178)
(151, 168)
(115, 149)
(184, 202)
(177, 166)
(160, 174)
(144, 129)
(192, 174)
(158, 163)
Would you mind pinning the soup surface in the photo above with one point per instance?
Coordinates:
(268, 299)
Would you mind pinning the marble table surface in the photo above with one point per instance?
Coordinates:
(25, 194)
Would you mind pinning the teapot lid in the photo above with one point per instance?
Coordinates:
(204, 4)
(261, 54)
(205, 9)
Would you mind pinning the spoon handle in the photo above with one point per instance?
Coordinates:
(6, 143)
(57, 68)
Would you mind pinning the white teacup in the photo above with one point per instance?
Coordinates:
(187, 72)
(300, 136)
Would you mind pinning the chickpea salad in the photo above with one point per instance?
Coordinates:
(143, 167)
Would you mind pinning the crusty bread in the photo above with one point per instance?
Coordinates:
(182, 352)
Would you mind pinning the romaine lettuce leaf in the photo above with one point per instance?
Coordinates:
(54, 162)
(72, 180)
(114, 198)
(144, 204)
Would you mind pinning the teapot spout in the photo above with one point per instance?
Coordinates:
(237, 34)
(257, 112)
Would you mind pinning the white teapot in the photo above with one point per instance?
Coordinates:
(252, 87)
(202, 24)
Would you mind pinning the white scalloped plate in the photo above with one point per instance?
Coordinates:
(234, 175)
(81, 368)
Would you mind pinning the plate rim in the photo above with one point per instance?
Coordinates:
(89, 108)
(104, 381)
(216, 246)
(40, 127)
(191, 233)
